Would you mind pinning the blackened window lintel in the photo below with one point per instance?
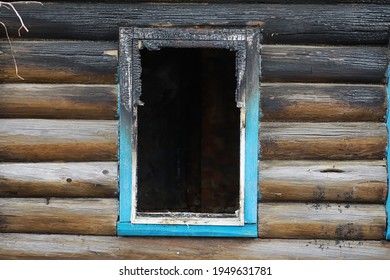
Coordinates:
(156, 38)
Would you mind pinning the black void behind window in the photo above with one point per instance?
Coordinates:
(188, 131)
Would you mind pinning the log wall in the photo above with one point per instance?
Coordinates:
(322, 173)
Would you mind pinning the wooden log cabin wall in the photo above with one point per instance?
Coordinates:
(323, 137)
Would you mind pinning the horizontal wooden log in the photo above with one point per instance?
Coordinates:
(334, 221)
(56, 215)
(59, 62)
(295, 141)
(58, 101)
(316, 181)
(57, 140)
(306, 24)
(96, 62)
(322, 102)
(54, 246)
(69, 140)
(279, 101)
(305, 181)
(318, 64)
(75, 179)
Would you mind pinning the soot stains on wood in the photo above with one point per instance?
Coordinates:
(321, 220)
(279, 63)
(281, 24)
(64, 62)
(349, 231)
(316, 64)
(319, 193)
(303, 181)
(323, 102)
(134, 39)
(280, 101)
(202, 67)
(51, 101)
(323, 140)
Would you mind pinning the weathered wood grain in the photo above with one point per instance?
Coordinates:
(303, 181)
(333, 221)
(59, 62)
(306, 24)
(70, 140)
(322, 102)
(57, 140)
(329, 181)
(58, 101)
(276, 220)
(295, 141)
(74, 179)
(319, 64)
(279, 101)
(93, 62)
(56, 215)
(54, 246)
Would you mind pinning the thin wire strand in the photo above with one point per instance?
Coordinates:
(12, 50)
(10, 6)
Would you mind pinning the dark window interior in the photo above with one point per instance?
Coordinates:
(188, 132)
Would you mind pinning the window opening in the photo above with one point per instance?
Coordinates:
(189, 108)
(188, 132)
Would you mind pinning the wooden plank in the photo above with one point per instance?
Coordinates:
(317, 64)
(58, 101)
(59, 62)
(70, 140)
(56, 215)
(323, 140)
(354, 181)
(331, 24)
(92, 62)
(54, 246)
(57, 140)
(326, 181)
(75, 179)
(334, 221)
(322, 102)
(280, 101)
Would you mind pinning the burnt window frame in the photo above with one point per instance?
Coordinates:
(246, 43)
